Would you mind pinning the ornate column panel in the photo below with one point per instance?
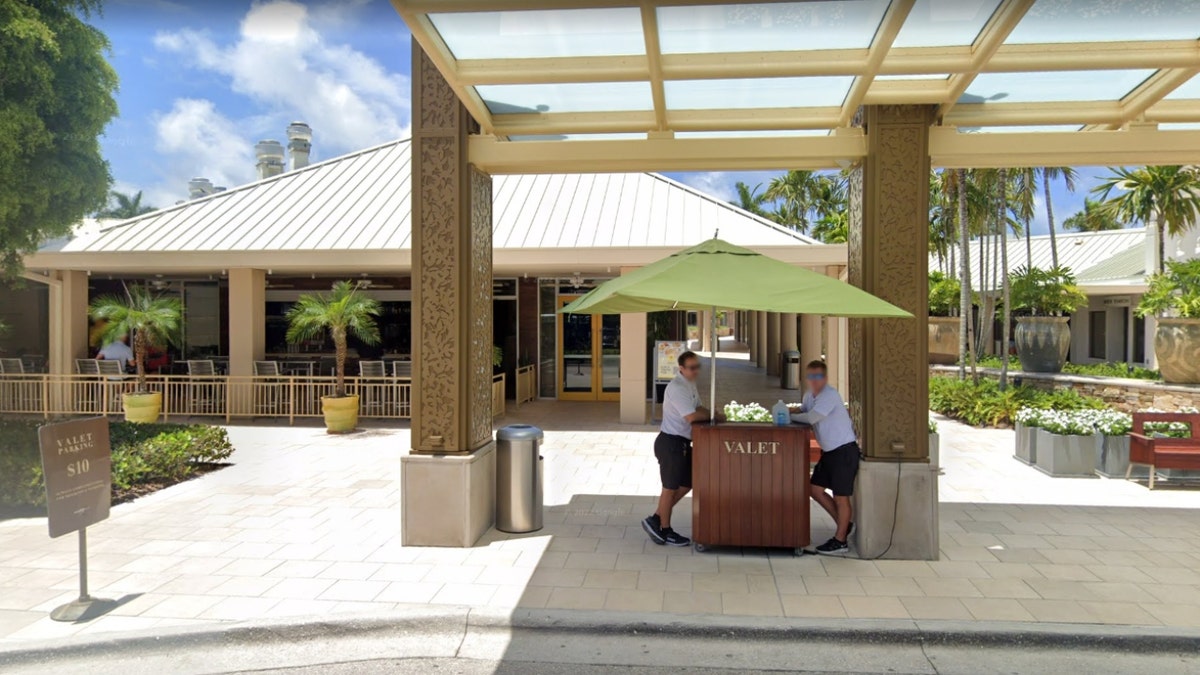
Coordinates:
(452, 273)
(888, 257)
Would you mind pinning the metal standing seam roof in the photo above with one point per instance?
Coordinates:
(1129, 264)
(361, 201)
(1078, 251)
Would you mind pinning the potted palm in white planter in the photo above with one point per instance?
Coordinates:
(343, 311)
(1174, 297)
(150, 320)
(1043, 336)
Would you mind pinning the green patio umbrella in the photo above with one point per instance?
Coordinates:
(717, 274)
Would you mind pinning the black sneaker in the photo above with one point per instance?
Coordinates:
(651, 524)
(673, 538)
(833, 547)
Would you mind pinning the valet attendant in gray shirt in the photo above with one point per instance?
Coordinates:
(673, 449)
(822, 407)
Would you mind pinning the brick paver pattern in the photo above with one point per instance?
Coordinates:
(308, 524)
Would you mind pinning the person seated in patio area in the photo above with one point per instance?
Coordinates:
(673, 448)
(822, 407)
(119, 351)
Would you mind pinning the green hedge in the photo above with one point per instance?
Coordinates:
(1118, 369)
(984, 405)
(142, 455)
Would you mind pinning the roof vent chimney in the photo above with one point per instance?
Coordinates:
(299, 144)
(199, 187)
(270, 158)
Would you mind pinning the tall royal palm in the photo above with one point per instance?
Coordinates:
(750, 199)
(1023, 197)
(1049, 174)
(1167, 196)
(794, 192)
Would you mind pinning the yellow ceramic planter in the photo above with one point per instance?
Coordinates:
(142, 408)
(341, 414)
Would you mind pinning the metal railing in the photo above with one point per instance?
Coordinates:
(207, 396)
(526, 384)
(498, 394)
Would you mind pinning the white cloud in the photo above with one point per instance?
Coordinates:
(715, 183)
(281, 61)
(195, 139)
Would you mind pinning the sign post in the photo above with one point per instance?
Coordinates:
(77, 463)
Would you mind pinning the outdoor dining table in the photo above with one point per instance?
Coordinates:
(294, 368)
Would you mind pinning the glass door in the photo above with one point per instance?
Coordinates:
(589, 356)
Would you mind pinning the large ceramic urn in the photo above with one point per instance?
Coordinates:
(1177, 348)
(1042, 343)
(943, 339)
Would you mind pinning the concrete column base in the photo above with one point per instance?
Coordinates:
(916, 517)
(448, 500)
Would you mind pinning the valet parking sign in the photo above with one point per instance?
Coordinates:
(77, 463)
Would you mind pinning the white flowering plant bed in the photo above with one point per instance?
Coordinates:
(746, 412)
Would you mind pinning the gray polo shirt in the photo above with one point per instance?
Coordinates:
(829, 419)
(679, 400)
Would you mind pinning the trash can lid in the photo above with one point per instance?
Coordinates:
(792, 354)
(520, 432)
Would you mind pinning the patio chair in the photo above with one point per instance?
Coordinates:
(17, 394)
(204, 389)
(402, 369)
(270, 393)
(372, 386)
(115, 374)
(87, 366)
(12, 367)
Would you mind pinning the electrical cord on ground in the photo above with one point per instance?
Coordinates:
(895, 514)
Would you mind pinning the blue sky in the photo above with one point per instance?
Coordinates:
(202, 82)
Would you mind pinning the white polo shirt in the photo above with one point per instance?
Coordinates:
(679, 400)
(829, 419)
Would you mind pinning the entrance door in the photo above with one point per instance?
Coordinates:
(589, 355)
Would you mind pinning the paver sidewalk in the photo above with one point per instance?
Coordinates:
(308, 524)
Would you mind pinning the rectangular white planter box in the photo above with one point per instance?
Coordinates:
(1026, 444)
(935, 451)
(1112, 457)
(1066, 456)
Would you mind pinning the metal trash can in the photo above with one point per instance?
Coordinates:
(789, 377)
(519, 478)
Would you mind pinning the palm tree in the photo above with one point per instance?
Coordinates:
(832, 228)
(1093, 218)
(342, 312)
(151, 320)
(1168, 196)
(794, 191)
(749, 199)
(1049, 173)
(965, 333)
(1002, 215)
(1024, 191)
(127, 206)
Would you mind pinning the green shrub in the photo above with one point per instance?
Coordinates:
(141, 454)
(1046, 292)
(944, 294)
(1118, 369)
(1175, 292)
(984, 405)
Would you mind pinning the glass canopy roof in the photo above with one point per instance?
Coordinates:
(618, 69)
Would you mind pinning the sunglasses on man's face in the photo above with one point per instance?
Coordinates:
(694, 366)
(814, 376)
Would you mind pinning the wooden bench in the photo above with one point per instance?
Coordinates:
(1163, 453)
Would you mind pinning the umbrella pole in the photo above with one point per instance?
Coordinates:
(712, 376)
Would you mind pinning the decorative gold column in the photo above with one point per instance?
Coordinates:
(896, 498)
(449, 478)
(811, 339)
(889, 257)
(68, 321)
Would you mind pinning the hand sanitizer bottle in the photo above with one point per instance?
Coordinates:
(780, 414)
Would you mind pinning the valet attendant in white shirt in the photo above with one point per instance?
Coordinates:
(673, 449)
(822, 407)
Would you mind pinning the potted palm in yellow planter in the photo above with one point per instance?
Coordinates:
(343, 311)
(149, 320)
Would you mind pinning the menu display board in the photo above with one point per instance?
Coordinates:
(77, 463)
(666, 359)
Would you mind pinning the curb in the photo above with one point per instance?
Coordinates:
(421, 620)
